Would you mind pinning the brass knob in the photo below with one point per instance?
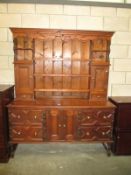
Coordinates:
(59, 125)
(98, 96)
(88, 117)
(104, 117)
(64, 126)
(18, 116)
(19, 133)
(35, 117)
(87, 133)
(103, 133)
(35, 133)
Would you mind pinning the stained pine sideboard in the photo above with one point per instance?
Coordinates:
(61, 80)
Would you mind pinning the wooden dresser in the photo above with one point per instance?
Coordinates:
(122, 126)
(6, 96)
(61, 79)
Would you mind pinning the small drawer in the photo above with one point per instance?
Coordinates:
(25, 116)
(24, 96)
(98, 97)
(105, 117)
(85, 117)
(26, 134)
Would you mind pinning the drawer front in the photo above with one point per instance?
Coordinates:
(94, 133)
(23, 117)
(98, 97)
(122, 145)
(26, 134)
(95, 117)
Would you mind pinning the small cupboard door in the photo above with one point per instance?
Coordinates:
(98, 83)
(24, 81)
(54, 122)
(60, 125)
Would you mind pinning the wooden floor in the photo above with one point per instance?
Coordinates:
(65, 159)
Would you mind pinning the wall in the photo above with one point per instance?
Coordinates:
(71, 17)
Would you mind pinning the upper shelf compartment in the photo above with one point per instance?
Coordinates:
(22, 42)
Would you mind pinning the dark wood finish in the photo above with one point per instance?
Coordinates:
(6, 96)
(61, 81)
(122, 126)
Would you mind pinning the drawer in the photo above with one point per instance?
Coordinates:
(22, 117)
(122, 145)
(26, 134)
(105, 116)
(98, 96)
(25, 96)
(94, 133)
(95, 117)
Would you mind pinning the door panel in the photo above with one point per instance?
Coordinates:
(24, 79)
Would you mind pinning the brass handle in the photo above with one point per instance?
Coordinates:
(87, 133)
(59, 125)
(98, 96)
(103, 133)
(35, 133)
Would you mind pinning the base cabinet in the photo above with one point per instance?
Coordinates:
(122, 126)
(6, 96)
(52, 124)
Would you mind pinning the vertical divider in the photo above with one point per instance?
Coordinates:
(62, 59)
(90, 62)
(43, 94)
(53, 56)
(33, 60)
(71, 68)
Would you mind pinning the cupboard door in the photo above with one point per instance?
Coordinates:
(60, 125)
(122, 145)
(53, 125)
(24, 81)
(99, 80)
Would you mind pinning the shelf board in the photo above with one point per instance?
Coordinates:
(61, 90)
(100, 50)
(23, 62)
(61, 59)
(23, 49)
(62, 75)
